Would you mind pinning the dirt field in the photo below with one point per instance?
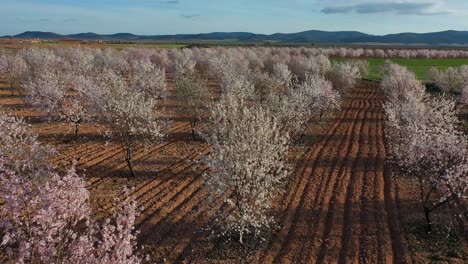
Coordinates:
(341, 205)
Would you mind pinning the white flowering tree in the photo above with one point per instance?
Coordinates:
(464, 95)
(424, 141)
(248, 160)
(131, 116)
(62, 97)
(148, 78)
(321, 97)
(14, 67)
(363, 66)
(452, 80)
(298, 104)
(343, 75)
(194, 95)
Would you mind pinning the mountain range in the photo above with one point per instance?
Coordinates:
(449, 37)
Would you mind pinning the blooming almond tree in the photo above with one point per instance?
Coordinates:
(3, 63)
(363, 66)
(400, 85)
(435, 154)
(343, 75)
(110, 59)
(45, 216)
(464, 96)
(295, 108)
(147, 78)
(452, 80)
(193, 94)
(247, 163)
(49, 221)
(130, 115)
(424, 140)
(25, 154)
(62, 97)
(321, 97)
(15, 69)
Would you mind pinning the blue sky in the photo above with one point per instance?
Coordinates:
(258, 16)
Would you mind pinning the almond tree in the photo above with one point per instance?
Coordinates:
(49, 221)
(25, 155)
(3, 63)
(147, 78)
(363, 66)
(464, 96)
(40, 61)
(302, 66)
(276, 83)
(343, 75)
(130, 115)
(15, 69)
(45, 215)
(62, 97)
(298, 104)
(81, 60)
(247, 163)
(432, 151)
(452, 80)
(184, 62)
(110, 59)
(399, 84)
(424, 140)
(193, 94)
(321, 97)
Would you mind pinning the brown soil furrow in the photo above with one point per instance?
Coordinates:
(392, 209)
(102, 160)
(321, 186)
(180, 238)
(334, 179)
(341, 202)
(294, 196)
(383, 234)
(140, 156)
(147, 192)
(159, 210)
(346, 235)
(369, 244)
(93, 154)
(202, 230)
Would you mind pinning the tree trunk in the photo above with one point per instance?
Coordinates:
(128, 159)
(192, 125)
(77, 130)
(11, 87)
(321, 114)
(427, 212)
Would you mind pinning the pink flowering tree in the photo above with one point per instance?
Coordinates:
(45, 216)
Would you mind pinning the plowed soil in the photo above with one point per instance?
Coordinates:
(340, 204)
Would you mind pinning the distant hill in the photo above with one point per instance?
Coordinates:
(444, 37)
(450, 37)
(38, 34)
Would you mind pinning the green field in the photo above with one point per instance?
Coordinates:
(418, 66)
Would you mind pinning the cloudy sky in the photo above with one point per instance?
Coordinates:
(258, 16)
